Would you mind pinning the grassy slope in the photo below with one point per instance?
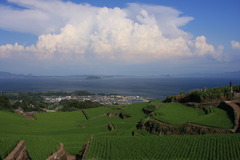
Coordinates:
(176, 113)
(95, 112)
(73, 130)
(48, 130)
(218, 118)
(70, 128)
(126, 126)
(6, 145)
(166, 147)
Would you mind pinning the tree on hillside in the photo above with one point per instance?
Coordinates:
(231, 88)
(4, 103)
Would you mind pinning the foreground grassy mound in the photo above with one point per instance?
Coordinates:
(42, 136)
(7, 144)
(219, 147)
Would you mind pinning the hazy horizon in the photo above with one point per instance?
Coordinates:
(233, 74)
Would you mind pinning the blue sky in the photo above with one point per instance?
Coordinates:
(141, 37)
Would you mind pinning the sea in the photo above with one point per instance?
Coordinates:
(149, 87)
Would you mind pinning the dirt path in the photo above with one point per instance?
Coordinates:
(70, 157)
(29, 115)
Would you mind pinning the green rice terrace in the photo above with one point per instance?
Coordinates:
(151, 130)
(177, 113)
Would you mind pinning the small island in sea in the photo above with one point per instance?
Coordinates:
(93, 77)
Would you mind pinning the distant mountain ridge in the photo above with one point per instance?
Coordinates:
(12, 75)
(235, 74)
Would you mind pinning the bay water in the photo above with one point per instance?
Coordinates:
(154, 88)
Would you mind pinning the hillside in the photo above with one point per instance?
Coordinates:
(74, 129)
(218, 94)
(70, 128)
(132, 131)
(12, 75)
(177, 114)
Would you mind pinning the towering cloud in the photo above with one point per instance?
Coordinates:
(138, 33)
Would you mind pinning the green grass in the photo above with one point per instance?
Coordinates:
(73, 129)
(219, 147)
(47, 132)
(135, 110)
(100, 111)
(218, 118)
(176, 114)
(70, 128)
(7, 144)
(39, 147)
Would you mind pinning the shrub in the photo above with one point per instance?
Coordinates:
(150, 108)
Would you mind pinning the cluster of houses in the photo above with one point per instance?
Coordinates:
(102, 99)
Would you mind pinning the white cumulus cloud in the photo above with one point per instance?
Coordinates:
(235, 44)
(138, 33)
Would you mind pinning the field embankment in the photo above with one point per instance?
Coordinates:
(176, 118)
(233, 109)
(19, 152)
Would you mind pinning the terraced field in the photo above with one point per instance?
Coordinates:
(98, 112)
(74, 130)
(70, 128)
(218, 118)
(219, 147)
(47, 131)
(176, 114)
(6, 144)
